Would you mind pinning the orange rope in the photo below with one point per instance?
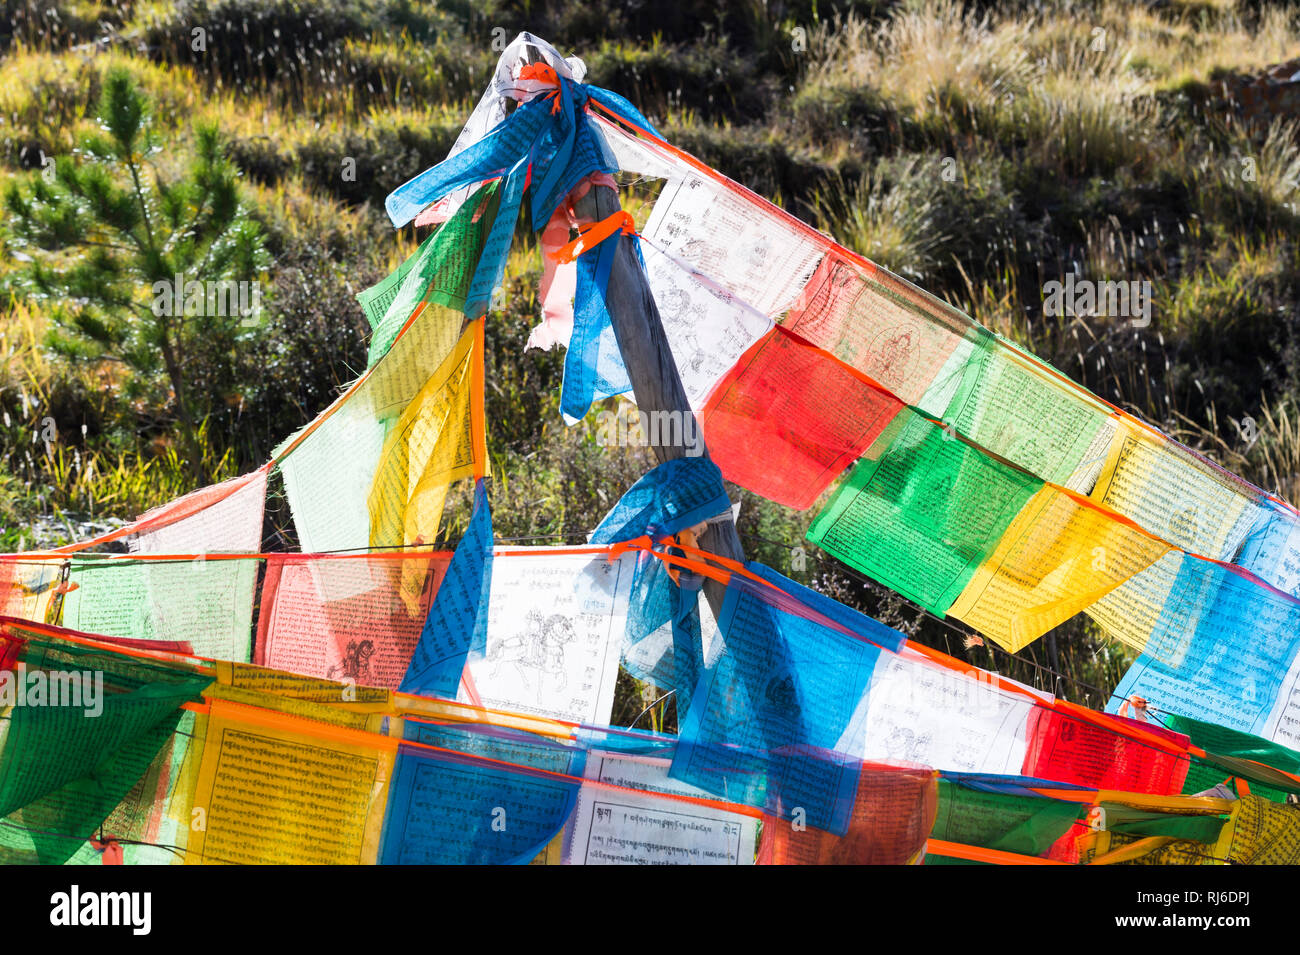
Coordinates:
(592, 235)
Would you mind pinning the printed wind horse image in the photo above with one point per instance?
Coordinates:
(295, 669)
(536, 654)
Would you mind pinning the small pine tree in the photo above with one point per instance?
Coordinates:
(138, 270)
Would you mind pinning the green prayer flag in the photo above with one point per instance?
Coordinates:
(440, 271)
(921, 511)
(1024, 825)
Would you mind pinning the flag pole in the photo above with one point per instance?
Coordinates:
(656, 384)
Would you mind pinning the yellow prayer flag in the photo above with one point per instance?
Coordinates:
(1175, 495)
(1060, 555)
(1263, 832)
(438, 439)
(274, 788)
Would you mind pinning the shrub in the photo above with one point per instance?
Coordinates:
(929, 218)
(134, 236)
(312, 345)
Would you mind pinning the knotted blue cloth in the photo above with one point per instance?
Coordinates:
(545, 147)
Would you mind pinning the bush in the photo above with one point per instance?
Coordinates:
(383, 158)
(323, 48)
(247, 44)
(711, 79)
(54, 24)
(1231, 338)
(830, 114)
(312, 345)
(756, 157)
(930, 218)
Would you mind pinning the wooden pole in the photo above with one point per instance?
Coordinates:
(655, 382)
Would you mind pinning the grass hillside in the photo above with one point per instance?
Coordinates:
(979, 150)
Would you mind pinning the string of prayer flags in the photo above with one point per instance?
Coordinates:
(282, 768)
(1075, 758)
(1052, 555)
(931, 356)
(451, 782)
(993, 397)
